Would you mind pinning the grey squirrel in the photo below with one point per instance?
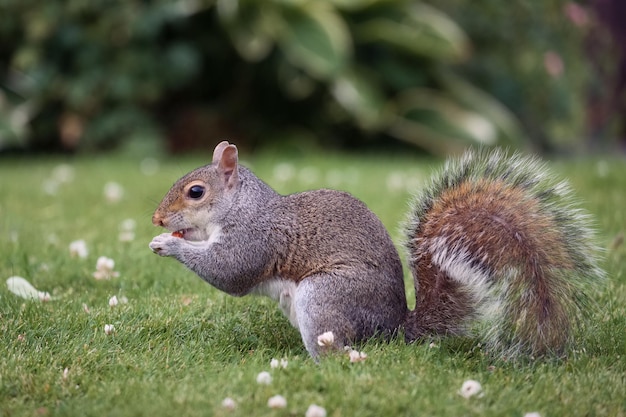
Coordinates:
(494, 245)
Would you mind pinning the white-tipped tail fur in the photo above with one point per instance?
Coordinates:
(498, 244)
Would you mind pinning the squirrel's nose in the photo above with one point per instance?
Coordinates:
(157, 220)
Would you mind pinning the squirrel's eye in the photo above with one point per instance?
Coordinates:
(196, 192)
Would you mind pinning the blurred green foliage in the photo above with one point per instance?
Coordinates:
(92, 74)
(533, 55)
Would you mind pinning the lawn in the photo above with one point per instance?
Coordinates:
(180, 347)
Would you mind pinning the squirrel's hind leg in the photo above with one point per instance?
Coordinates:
(323, 325)
(353, 306)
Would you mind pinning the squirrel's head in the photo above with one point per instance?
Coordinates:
(187, 208)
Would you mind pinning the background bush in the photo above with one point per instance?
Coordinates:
(550, 62)
(93, 74)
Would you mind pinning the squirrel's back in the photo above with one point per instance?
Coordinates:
(330, 230)
(496, 244)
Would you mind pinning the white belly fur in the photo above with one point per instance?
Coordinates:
(283, 291)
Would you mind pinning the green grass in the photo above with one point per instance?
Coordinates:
(180, 347)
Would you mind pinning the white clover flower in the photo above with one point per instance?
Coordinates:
(127, 230)
(149, 166)
(20, 287)
(315, 411)
(104, 268)
(78, 248)
(63, 173)
(471, 388)
(603, 169)
(229, 404)
(309, 175)
(284, 172)
(113, 301)
(52, 239)
(395, 181)
(413, 182)
(113, 192)
(66, 373)
(533, 414)
(128, 224)
(277, 401)
(326, 339)
(50, 186)
(264, 378)
(356, 356)
(126, 236)
(275, 363)
(334, 178)
(109, 328)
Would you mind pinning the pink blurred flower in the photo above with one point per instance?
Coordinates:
(577, 14)
(553, 64)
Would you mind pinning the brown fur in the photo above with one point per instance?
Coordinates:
(501, 227)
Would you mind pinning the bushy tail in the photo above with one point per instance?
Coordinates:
(496, 244)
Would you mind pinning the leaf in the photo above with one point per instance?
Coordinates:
(481, 102)
(250, 27)
(438, 123)
(418, 29)
(360, 96)
(297, 84)
(19, 286)
(352, 5)
(315, 38)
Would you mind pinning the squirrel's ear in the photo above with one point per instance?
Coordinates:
(219, 149)
(227, 165)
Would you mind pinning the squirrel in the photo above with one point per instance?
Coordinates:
(495, 246)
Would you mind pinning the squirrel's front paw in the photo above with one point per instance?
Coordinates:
(165, 244)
